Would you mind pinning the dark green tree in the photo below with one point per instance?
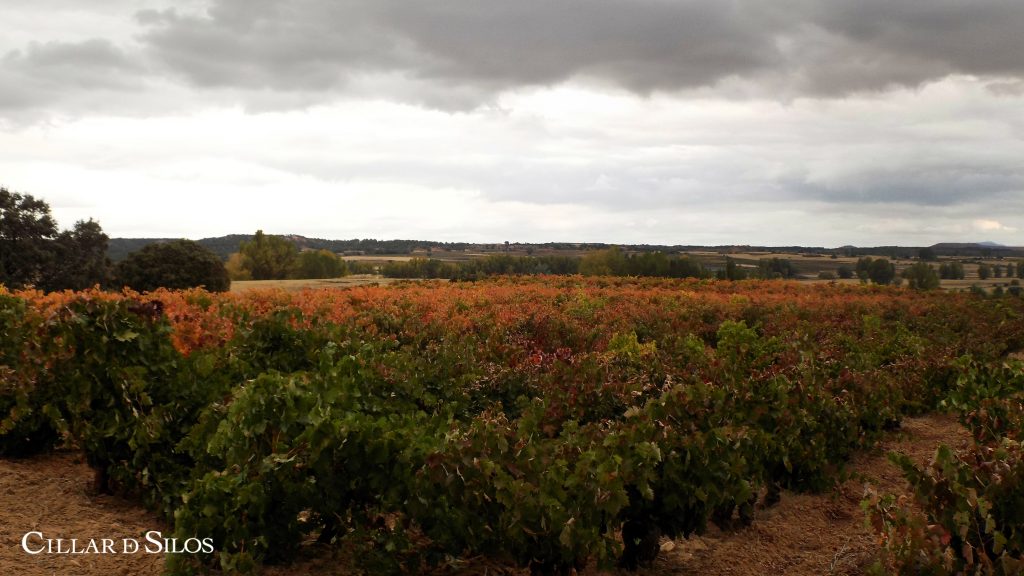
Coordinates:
(951, 271)
(881, 271)
(79, 259)
(921, 276)
(319, 264)
(268, 257)
(774, 268)
(26, 230)
(174, 265)
(844, 272)
(926, 254)
(984, 271)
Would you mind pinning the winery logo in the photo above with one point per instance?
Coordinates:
(152, 542)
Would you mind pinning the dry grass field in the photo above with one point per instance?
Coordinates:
(293, 285)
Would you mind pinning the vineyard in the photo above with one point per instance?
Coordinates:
(550, 423)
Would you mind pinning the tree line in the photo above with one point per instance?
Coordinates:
(34, 253)
(607, 262)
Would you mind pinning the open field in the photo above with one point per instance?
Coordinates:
(294, 285)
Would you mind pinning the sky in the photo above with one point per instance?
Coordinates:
(791, 122)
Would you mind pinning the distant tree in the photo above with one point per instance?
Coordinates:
(686, 267)
(921, 276)
(79, 259)
(356, 267)
(648, 264)
(863, 269)
(951, 271)
(236, 269)
(881, 271)
(268, 257)
(26, 229)
(956, 271)
(175, 265)
(1011, 270)
(984, 271)
(844, 272)
(826, 275)
(608, 262)
(1020, 269)
(926, 254)
(319, 264)
(997, 271)
(732, 271)
(775, 268)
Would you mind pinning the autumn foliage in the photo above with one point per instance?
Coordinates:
(549, 421)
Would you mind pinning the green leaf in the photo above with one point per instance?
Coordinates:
(126, 336)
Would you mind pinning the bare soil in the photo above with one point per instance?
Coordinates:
(805, 534)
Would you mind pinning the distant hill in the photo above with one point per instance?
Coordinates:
(979, 249)
(223, 246)
(119, 248)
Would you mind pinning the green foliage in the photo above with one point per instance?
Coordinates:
(971, 500)
(973, 505)
(79, 259)
(25, 428)
(775, 268)
(732, 271)
(32, 253)
(610, 262)
(984, 271)
(173, 265)
(26, 228)
(921, 276)
(878, 270)
(951, 271)
(419, 268)
(318, 264)
(549, 431)
(268, 257)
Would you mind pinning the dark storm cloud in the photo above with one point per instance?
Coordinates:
(314, 44)
(806, 46)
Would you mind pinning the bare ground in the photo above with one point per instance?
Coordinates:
(805, 534)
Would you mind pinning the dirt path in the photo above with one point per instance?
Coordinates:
(814, 534)
(802, 535)
(52, 494)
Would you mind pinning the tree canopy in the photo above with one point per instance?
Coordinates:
(174, 265)
(33, 253)
(268, 257)
(26, 231)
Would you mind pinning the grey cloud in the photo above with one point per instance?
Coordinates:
(817, 47)
(936, 186)
(45, 73)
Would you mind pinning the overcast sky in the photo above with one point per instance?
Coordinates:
(814, 122)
